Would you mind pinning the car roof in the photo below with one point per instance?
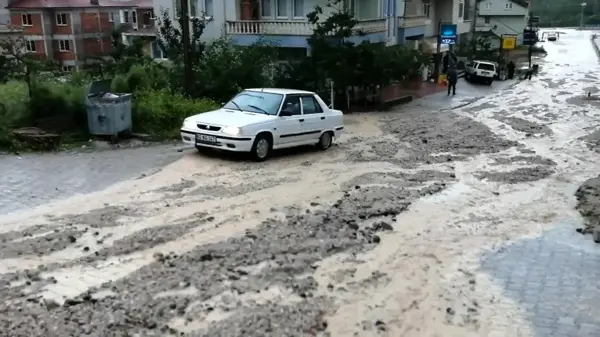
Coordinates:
(487, 62)
(282, 91)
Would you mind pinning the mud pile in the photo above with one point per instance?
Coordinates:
(588, 204)
(259, 284)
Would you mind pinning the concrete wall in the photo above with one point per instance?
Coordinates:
(4, 13)
(501, 8)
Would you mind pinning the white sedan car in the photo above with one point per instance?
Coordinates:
(261, 120)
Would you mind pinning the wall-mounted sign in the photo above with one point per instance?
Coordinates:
(447, 34)
(509, 42)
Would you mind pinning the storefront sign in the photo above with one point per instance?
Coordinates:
(447, 34)
(529, 37)
(509, 42)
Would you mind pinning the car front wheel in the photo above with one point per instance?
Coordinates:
(325, 141)
(261, 149)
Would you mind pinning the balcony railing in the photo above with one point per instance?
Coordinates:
(297, 28)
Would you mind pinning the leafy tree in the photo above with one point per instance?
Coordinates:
(18, 63)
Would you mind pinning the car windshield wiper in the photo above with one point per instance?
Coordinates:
(257, 108)
(236, 105)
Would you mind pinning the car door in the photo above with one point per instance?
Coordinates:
(314, 117)
(290, 129)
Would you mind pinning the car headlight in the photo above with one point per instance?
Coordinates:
(232, 130)
(188, 122)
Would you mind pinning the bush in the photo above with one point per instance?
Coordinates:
(13, 109)
(161, 112)
(52, 99)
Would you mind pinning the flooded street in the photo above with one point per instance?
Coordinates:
(447, 217)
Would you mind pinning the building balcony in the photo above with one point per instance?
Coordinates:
(415, 14)
(292, 28)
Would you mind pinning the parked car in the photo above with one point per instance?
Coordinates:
(552, 36)
(484, 71)
(261, 120)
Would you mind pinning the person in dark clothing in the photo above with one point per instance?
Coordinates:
(452, 79)
(445, 61)
(511, 70)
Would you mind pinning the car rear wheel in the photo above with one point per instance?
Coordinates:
(325, 141)
(261, 149)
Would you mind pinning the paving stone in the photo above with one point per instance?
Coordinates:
(35, 179)
(560, 288)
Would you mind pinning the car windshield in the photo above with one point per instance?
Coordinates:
(486, 66)
(256, 101)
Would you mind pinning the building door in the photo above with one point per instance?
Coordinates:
(391, 21)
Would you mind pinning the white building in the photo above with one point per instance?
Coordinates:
(284, 23)
(499, 17)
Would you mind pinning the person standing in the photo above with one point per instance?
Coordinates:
(452, 79)
(445, 61)
(511, 70)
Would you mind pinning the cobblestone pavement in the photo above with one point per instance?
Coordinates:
(554, 279)
(31, 180)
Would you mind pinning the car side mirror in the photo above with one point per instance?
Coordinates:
(285, 113)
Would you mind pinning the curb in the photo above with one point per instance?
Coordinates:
(595, 46)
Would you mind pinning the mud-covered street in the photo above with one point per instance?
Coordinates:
(445, 217)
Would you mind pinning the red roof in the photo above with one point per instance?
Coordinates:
(42, 4)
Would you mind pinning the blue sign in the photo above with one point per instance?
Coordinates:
(447, 34)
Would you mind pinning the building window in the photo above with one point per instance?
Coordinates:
(487, 19)
(61, 19)
(298, 8)
(209, 8)
(265, 8)
(488, 5)
(30, 46)
(147, 18)
(461, 9)
(282, 9)
(124, 16)
(508, 5)
(426, 8)
(64, 45)
(111, 17)
(134, 17)
(26, 20)
(68, 69)
(157, 52)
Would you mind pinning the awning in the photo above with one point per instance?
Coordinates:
(430, 46)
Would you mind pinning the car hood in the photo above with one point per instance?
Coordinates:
(226, 117)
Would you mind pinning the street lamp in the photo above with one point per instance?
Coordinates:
(583, 4)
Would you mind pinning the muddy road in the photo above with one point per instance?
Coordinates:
(398, 230)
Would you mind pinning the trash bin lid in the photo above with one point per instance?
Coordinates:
(99, 86)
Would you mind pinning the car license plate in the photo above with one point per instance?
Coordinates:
(485, 72)
(206, 139)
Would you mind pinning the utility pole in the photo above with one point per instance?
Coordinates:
(438, 48)
(583, 4)
(530, 50)
(474, 25)
(187, 61)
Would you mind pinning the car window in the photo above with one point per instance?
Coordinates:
(310, 105)
(470, 64)
(486, 66)
(256, 101)
(292, 104)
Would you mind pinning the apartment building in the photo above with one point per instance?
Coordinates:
(498, 17)
(72, 32)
